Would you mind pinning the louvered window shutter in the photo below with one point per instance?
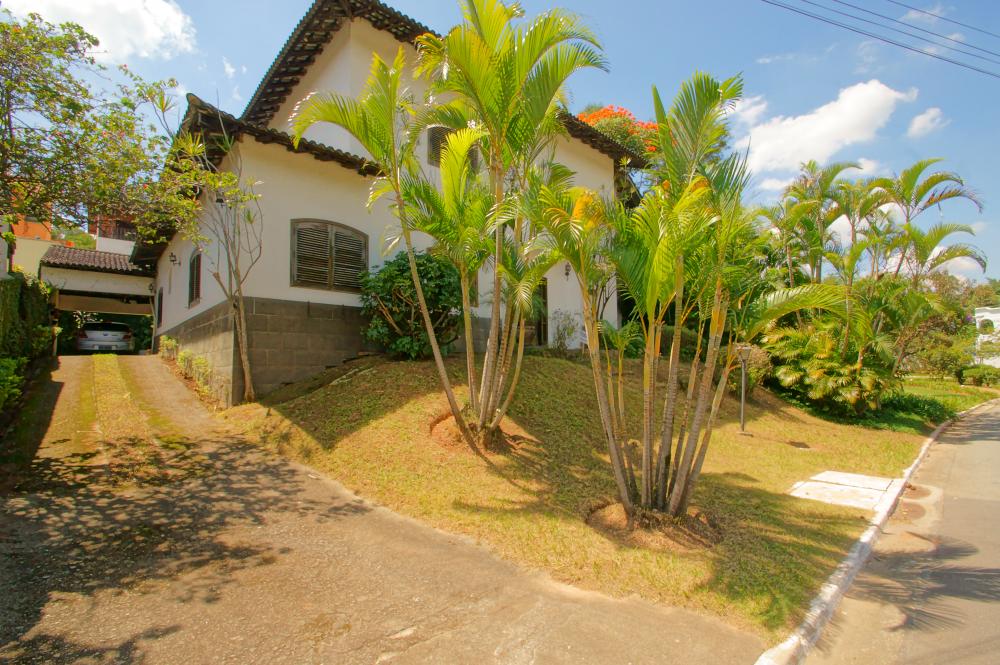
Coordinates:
(194, 278)
(312, 255)
(350, 259)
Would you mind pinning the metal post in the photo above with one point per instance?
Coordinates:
(743, 397)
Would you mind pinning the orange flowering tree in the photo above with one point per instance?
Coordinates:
(621, 125)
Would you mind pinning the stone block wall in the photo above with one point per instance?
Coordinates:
(290, 341)
(210, 335)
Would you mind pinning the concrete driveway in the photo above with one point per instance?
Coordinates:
(931, 592)
(224, 554)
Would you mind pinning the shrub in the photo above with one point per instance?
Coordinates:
(389, 300)
(168, 347)
(980, 375)
(184, 361)
(24, 305)
(11, 379)
(565, 331)
(929, 409)
(758, 369)
(809, 364)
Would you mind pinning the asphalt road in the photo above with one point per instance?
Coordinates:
(931, 593)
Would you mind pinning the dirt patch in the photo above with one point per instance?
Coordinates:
(911, 511)
(917, 492)
(659, 532)
(444, 430)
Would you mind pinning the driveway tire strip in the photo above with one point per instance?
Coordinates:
(796, 646)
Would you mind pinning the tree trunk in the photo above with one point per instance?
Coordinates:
(705, 440)
(470, 351)
(670, 402)
(701, 408)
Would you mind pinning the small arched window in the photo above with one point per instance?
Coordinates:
(328, 255)
(194, 278)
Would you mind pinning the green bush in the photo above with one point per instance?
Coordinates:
(389, 301)
(11, 379)
(980, 375)
(758, 369)
(24, 306)
(929, 409)
(168, 347)
(185, 360)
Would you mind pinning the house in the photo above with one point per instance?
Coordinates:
(988, 333)
(300, 321)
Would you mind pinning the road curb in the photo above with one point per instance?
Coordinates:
(796, 646)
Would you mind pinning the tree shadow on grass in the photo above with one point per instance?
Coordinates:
(21, 438)
(75, 529)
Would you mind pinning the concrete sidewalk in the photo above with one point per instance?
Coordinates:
(247, 558)
(931, 592)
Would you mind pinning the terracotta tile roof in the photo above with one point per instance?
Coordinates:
(58, 256)
(324, 18)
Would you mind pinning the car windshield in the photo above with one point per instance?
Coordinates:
(100, 325)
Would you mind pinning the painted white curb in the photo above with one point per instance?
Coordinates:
(795, 647)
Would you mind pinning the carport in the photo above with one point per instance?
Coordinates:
(88, 280)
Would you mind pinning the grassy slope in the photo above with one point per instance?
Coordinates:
(949, 392)
(372, 432)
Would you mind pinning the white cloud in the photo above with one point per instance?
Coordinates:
(963, 266)
(868, 168)
(778, 57)
(237, 97)
(228, 68)
(925, 15)
(179, 91)
(979, 227)
(125, 28)
(782, 143)
(929, 121)
(749, 110)
(775, 184)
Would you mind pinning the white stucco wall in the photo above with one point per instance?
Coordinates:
(989, 314)
(114, 245)
(343, 67)
(29, 251)
(173, 280)
(96, 282)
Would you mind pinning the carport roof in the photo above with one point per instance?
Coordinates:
(75, 258)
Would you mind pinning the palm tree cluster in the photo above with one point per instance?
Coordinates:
(866, 230)
(703, 269)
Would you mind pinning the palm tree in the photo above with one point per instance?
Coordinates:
(457, 217)
(510, 79)
(927, 254)
(817, 186)
(379, 120)
(913, 193)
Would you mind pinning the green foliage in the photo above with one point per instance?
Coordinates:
(980, 375)
(185, 360)
(565, 332)
(931, 410)
(389, 300)
(759, 369)
(809, 362)
(168, 347)
(72, 149)
(24, 308)
(11, 380)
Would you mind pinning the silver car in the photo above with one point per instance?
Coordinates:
(105, 336)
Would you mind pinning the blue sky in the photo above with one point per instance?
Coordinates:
(813, 90)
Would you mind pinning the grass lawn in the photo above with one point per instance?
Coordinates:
(759, 561)
(949, 392)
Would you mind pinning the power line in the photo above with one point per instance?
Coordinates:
(917, 27)
(943, 18)
(902, 32)
(881, 38)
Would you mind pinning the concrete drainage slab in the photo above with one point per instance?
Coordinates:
(848, 489)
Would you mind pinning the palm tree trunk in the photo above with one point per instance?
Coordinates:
(603, 407)
(502, 411)
(429, 327)
(704, 391)
(490, 361)
(470, 350)
(694, 374)
(670, 402)
(706, 438)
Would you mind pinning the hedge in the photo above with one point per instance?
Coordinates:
(25, 330)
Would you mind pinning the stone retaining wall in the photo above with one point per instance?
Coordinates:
(210, 335)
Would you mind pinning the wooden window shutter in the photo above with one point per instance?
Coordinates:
(350, 258)
(311, 255)
(194, 278)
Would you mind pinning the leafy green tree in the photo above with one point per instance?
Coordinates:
(70, 150)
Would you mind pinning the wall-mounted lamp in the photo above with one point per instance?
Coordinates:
(174, 260)
(567, 270)
(219, 198)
